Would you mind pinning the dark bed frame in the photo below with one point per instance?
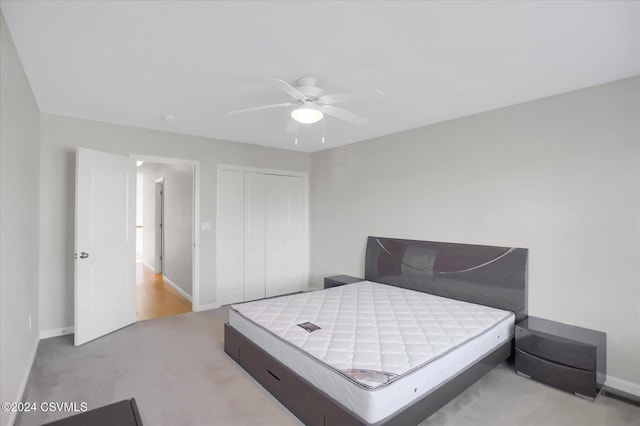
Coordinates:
(487, 275)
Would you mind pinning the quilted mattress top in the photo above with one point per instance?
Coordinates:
(372, 333)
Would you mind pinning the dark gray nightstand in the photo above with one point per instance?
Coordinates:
(337, 280)
(568, 357)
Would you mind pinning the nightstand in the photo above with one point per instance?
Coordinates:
(337, 280)
(567, 357)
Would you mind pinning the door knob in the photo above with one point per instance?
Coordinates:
(84, 255)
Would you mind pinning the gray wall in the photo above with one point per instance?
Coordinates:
(560, 176)
(178, 217)
(61, 136)
(178, 220)
(19, 207)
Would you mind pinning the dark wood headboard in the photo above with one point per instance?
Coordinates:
(487, 275)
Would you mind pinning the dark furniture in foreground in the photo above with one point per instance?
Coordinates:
(338, 280)
(568, 357)
(493, 276)
(123, 413)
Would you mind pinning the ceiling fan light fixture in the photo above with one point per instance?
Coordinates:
(306, 115)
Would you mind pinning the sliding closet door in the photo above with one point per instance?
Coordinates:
(262, 236)
(286, 251)
(254, 237)
(230, 231)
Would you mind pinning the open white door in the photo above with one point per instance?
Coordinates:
(105, 289)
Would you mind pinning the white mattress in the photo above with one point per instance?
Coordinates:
(379, 347)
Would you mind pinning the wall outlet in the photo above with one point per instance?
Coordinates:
(29, 322)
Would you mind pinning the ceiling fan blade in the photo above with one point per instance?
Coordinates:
(289, 89)
(260, 108)
(337, 98)
(344, 115)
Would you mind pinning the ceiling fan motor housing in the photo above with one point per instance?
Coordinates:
(307, 85)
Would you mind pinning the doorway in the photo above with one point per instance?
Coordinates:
(105, 242)
(164, 275)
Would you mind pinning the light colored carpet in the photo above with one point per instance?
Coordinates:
(177, 370)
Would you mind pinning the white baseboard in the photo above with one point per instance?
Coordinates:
(176, 288)
(205, 307)
(45, 334)
(25, 379)
(623, 385)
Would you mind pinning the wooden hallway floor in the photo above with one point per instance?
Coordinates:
(155, 298)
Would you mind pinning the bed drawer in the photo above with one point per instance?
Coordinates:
(558, 375)
(310, 405)
(280, 382)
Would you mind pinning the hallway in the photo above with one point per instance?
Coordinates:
(155, 298)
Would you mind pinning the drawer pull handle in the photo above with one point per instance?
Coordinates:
(270, 372)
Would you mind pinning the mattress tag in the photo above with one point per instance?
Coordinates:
(309, 326)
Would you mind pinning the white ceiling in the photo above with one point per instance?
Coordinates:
(133, 62)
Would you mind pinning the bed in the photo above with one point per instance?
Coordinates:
(429, 319)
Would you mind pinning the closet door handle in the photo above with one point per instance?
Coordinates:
(84, 255)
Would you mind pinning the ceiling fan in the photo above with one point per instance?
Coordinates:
(311, 104)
